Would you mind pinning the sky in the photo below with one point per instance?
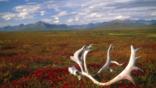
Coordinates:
(74, 12)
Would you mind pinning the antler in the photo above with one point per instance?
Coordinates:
(108, 62)
(80, 58)
(77, 58)
(86, 51)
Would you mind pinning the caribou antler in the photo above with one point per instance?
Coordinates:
(86, 51)
(80, 58)
(108, 62)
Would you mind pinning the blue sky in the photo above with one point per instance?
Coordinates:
(71, 12)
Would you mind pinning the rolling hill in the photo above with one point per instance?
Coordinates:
(43, 26)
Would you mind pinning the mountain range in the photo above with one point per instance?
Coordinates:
(43, 26)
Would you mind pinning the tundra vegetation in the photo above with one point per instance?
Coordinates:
(41, 59)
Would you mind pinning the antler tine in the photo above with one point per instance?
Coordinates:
(106, 65)
(108, 62)
(77, 57)
(86, 51)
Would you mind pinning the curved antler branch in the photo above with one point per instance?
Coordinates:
(86, 51)
(77, 57)
(108, 62)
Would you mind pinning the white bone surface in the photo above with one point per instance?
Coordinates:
(80, 58)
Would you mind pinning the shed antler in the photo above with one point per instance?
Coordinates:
(108, 62)
(79, 57)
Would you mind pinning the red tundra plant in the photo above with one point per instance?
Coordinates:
(52, 77)
(19, 83)
(127, 85)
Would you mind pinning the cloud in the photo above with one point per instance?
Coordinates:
(82, 11)
(8, 16)
(42, 13)
(55, 20)
(62, 13)
(105, 10)
(120, 17)
(24, 11)
(95, 15)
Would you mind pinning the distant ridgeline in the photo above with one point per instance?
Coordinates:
(43, 26)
